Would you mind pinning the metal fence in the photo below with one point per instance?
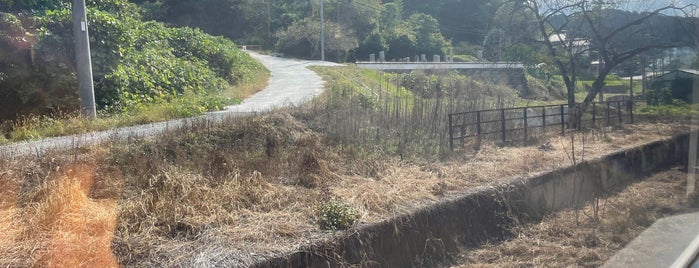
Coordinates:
(521, 123)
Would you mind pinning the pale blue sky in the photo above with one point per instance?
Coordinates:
(646, 5)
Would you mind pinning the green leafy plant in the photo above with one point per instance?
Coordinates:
(336, 215)
(673, 109)
(143, 62)
(656, 97)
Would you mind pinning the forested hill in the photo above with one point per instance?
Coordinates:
(357, 28)
(140, 56)
(134, 62)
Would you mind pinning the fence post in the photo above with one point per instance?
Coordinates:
(563, 123)
(618, 111)
(543, 118)
(504, 126)
(451, 133)
(478, 124)
(594, 113)
(630, 104)
(608, 119)
(526, 134)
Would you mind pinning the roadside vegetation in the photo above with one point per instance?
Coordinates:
(143, 71)
(677, 110)
(373, 146)
(34, 127)
(229, 194)
(399, 114)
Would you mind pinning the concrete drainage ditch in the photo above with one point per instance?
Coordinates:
(430, 236)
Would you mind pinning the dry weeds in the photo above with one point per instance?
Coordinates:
(402, 186)
(557, 241)
(56, 223)
(229, 195)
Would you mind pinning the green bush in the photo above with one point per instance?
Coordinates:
(673, 109)
(658, 96)
(336, 215)
(137, 62)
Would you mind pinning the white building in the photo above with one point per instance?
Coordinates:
(577, 45)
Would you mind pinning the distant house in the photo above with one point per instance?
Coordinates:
(680, 82)
(578, 45)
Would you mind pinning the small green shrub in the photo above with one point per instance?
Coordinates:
(336, 215)
(655, 97)
(673, 109)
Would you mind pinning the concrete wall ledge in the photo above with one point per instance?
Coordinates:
(430, 236)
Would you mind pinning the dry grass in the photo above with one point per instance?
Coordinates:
(228, 195)
(402, 186)
(258, 81)
(558, 241)
(182, 210)
(56, 223)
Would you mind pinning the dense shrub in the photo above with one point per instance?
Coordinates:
(134, 62)
(658, 96)
(154, 73)
(31, 81)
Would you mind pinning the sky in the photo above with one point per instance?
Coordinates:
(646, 5)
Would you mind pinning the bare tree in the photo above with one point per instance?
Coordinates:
(574, 30)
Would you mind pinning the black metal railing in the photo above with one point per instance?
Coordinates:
(521, 123)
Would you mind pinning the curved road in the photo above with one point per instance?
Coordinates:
(291, 83)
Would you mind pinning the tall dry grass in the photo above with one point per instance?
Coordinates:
(231, 193)
(214, 194)
(55, 223)
(203, 195)
(400, 114)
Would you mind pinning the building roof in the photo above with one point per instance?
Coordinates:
(680, 73)
(562, 37)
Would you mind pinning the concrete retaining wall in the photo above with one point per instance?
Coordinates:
(428, 237)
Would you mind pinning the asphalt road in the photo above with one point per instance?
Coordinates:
(290, 84)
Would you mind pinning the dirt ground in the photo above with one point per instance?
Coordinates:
(581, 239)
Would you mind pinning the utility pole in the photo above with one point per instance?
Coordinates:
(82, 59)
(322, 33)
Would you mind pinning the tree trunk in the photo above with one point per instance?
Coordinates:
(573, 118)
(596, 89)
